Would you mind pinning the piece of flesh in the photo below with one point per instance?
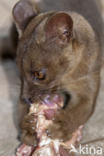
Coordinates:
(45, 112)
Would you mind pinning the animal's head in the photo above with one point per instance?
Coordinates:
(47, 49)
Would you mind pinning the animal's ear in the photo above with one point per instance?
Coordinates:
(59, 27)
(23, 12)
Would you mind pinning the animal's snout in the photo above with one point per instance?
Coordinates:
(27, 101)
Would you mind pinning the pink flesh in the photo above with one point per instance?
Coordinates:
(25, 150)
(62, 152)
(56, 100)
(53, 104)
(49, 113)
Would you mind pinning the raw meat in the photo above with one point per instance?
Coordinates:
(45, 112)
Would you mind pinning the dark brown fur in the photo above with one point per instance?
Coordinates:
(69, 48)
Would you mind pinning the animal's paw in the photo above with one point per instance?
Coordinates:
(28, 126)
(29, 123)
(57, 130)
(28, 139)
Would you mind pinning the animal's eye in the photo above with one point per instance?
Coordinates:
(39, 75)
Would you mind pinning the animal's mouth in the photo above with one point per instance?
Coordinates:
(55, 103)
(54, 100)
(67, 98)
(52, 103)
(61, 100)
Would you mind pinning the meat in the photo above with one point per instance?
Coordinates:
(24, 150)
(45, 112)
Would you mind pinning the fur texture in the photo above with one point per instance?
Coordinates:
(66, 44)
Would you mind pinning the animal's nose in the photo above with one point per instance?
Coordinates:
(28, 101)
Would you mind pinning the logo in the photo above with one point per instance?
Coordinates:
(87, 150)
